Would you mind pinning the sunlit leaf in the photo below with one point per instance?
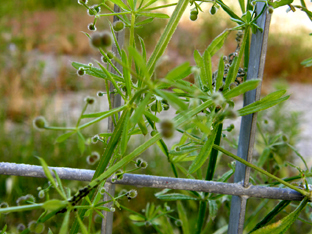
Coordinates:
(64, 136)
(175, 197)
(217, 43)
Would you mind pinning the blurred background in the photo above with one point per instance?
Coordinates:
(40, 39)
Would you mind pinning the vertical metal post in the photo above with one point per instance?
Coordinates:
(107, 224)
(257, 55)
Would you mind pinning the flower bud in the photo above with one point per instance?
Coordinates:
(89, 100)
(132, 194)
(143, 164)
(100, 94)
(40, 122)
(81, 2)
(93, 158)
(218, 98)
(81, 71)
(91, 27)
(41, 194)
(118, 26)
(95, 139)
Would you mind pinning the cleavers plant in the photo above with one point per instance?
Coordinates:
(200, 109)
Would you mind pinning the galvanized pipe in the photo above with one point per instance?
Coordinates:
(256, 63)
(138, 180)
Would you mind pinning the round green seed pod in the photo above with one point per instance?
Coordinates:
(193, 17)
(91, 27)
(167, 128)
(154, 107)
(118, 26)
(110, 54)
(153, 133)
(96, 40)
(270, 10)
(194, 11)
(213, 10)
(40, 122)
(106, 39)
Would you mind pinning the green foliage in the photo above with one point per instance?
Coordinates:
(201, 108)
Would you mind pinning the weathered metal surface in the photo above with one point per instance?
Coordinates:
(257, 55)
(158, 182)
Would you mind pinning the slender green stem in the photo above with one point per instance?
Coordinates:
(303, 192)
(60, 128)
(82, 112)
(158, 7)
(131, 37)
(21, 208)
(117, 13)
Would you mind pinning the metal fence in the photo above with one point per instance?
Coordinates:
(240, 189)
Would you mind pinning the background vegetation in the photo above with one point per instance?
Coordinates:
(39, 39)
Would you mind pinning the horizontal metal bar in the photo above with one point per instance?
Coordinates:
(158, 182)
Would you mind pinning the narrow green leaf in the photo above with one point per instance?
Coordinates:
(175, 197)
(213, 209)
(179, 72)
(151, 116)
(111, 79)
(219, 79)
(264, 156)
(227, 9)
(139, 61)
(65, 224)
(139, 110)
(96, 72)
(11, 209)
(283, 225)
(307, 62)
(242, 5)
(154, 15)
(54, 204)
(126, 73)
(142, 125)
(204, 152)
(115, 38)
(185, 116)
(64, 136)
(125, 135)
(136, 218)
(259, 106)
(207, 79)
(146, 21)
(111, 145)
(81, 225)
(277, 209)
(103, 114)
(121, 5)
(280, 3)
(242, 88)
(217, 43)
(172, 99)
(167, 34)
(143, 48)
(149, 3)
(58, 180)
(81, 142)
(47, 172)
(183, 217)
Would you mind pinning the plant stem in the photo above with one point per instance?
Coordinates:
(209, 176)
(303, 192)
